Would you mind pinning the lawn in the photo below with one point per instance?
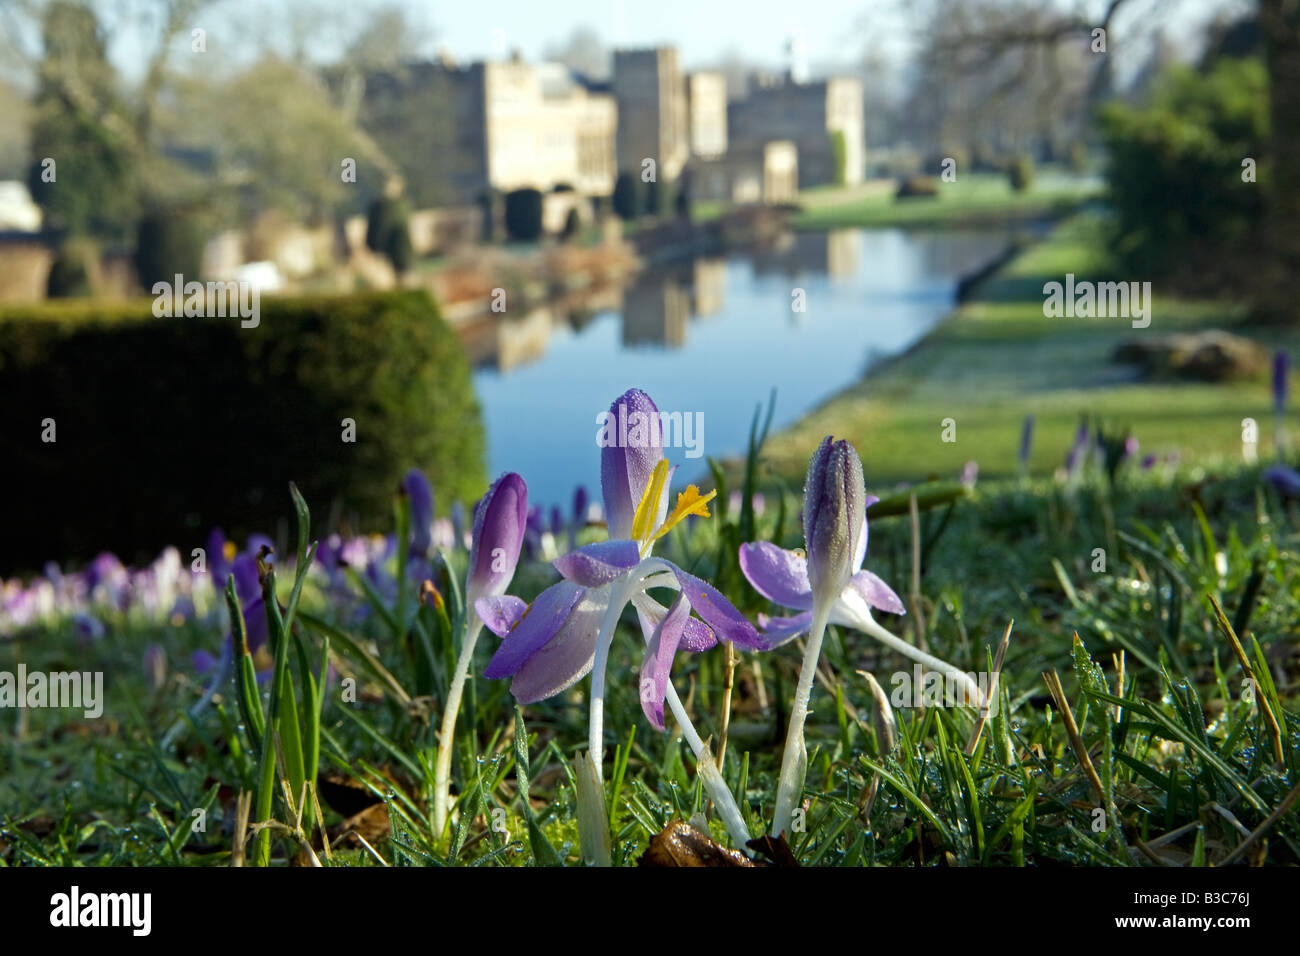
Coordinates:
(1131, 724)
(973, 199)
(999, 359)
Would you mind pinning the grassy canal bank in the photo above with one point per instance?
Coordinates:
(998, 358)
(974, 199)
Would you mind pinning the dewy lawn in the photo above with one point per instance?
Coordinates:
(1140, 710)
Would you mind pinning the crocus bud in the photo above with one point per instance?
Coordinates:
(1281, 368)
(630, 446)
(155, 666)
(499, 522)
(1026, 440)
(416, 487)
(834, 516)
(1284, 479)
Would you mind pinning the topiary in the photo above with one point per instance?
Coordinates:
(524, 214)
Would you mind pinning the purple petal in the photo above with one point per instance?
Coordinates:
(631, 446)
(781, 630)
(500, 612)
(597, 564)
(696, 635)
(779, 575)
(876, 592)
(658, 660)
(860, 554)
(569, 655)
(256, 627)
(202, 662)
(539, 623)
(716, 611)
(247, 586)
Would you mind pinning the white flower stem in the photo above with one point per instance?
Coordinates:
(793, 762)
(975, 697)
(639, 578)
(442, 776)
(710, 776)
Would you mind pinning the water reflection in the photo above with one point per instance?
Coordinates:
(711, 335)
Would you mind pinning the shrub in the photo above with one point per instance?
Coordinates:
(651, 197)
(917, 187)
(524, 214)
(572, 225)
(223, 418)
(400, 251)
(168, 244)
(388, 232)
(839, 157)
(1020, 173)
(70, 272)
(1175, 173)
(627, 199)
(683, 201)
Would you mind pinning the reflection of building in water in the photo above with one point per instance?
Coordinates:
(835, 253)
(655, 309)
(504, 342)
(843, 253)
(709, 286)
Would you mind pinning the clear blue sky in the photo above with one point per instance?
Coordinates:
(834, 32)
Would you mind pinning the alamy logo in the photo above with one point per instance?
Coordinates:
(624, 429)
(74, 908)
(922, 688)
(213, 300)
(76, 689)
(1086, 300)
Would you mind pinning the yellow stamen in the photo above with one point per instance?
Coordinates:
(689, 502)
(649, 506)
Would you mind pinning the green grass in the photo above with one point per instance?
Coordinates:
(1188, 760)
(1184, 753)
(998, 358)
(973, 199)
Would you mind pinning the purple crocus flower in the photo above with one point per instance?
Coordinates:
(218, 553)
(1026, 441)
(970, 472)
(499, 522)
(1074, 461)
(416, 488)
(579, 515)
(1285, 480)
(1281, 369)
(567, 630)
(781, 576)
(499, 527)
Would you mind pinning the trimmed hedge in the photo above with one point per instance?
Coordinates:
(168, 427)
